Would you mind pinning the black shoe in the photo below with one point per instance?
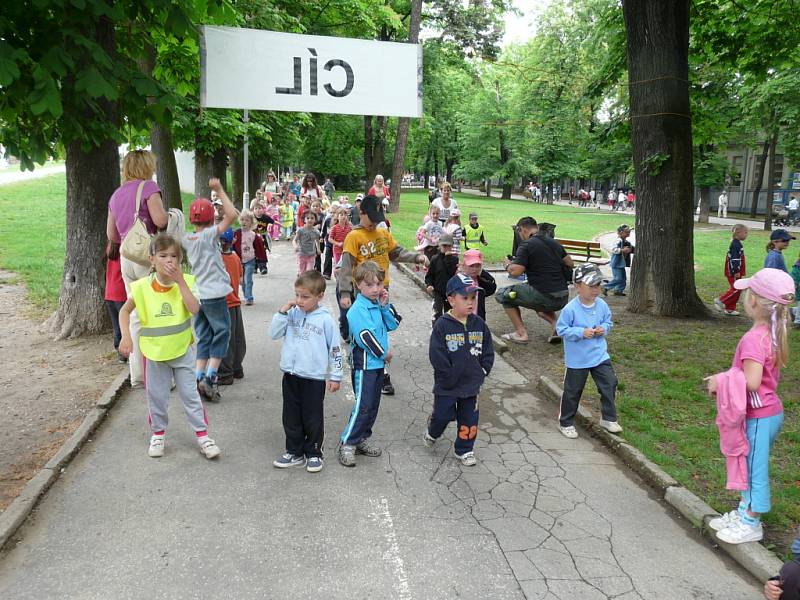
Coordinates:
(620, 294)
(225, 380)
(121, 359)
(387, 388)
(238, 375)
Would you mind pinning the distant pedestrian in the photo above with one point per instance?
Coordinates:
(722, 205)
(306, 244)
(166, 301)
(621, 253)
(249, 247)
(328, 188)
(584, 324)
(735, 268)
(760, 355)
(462, 355)
(370, 319)
(311, 354)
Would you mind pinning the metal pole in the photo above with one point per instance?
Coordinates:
(246, 186)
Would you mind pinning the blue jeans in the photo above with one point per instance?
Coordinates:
(620, 280)
(247, 282)
(212, 325)
(761, 434)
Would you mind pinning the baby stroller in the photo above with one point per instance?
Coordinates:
(780, 216)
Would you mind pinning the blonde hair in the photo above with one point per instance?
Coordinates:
(446, 186)
(343, 199)
(737, 228)
(138, 164)
(246, 214)
(368, 270)
(776, 315)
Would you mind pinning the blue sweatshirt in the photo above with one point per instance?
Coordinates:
(370, 324)
(312, 347)
(581, 352)
(461, 355)
(775, 260)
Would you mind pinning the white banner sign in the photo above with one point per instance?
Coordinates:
(267, 70)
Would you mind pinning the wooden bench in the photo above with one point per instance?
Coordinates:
(584, 251)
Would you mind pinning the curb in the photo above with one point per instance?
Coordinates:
(752, 556)
(14, 516)
(499, 345)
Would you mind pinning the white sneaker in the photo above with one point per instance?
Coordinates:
(725, 521)
(569, 432)
(732, 313)
(156, 449)
(719, 305)
(610, 426)
(428, 439)
(741, 532)
(467, 459)
(209, 448)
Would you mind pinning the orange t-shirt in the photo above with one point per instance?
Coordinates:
(233, 265)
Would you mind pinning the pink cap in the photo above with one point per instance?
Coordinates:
(473, 257)
(772, 284)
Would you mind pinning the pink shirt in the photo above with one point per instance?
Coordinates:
(123, 203)
(756, 345)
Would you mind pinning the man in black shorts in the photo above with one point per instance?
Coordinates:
(544, 262)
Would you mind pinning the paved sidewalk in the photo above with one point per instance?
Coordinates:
(13, 175)
(541, 517)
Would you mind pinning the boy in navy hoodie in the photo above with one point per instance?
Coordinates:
(369, 319)
(311, 354)
(584, 324)
(462, 354)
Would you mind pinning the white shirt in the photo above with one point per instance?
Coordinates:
(794, 204)
(723, 199)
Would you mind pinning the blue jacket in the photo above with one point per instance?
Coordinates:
(312, 347)
(461, 354)
(581, 352)
(775, 260)
(370, 324)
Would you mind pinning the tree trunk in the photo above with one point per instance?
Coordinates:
(448, 166)
(662, 279)
(237, 174)
(203, 171)
(161, 144)
(759, 179)
(488, 187)
(374, 147)
(92, 176)
(705, 203)
(219, 166)
(436, 165)
(506, 191)
(428, 168)
(254, 174)
(773, 144)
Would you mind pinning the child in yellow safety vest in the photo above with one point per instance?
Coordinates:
(473, 233)
(165, 303)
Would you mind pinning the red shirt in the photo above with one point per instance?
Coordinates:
(115, 287)
(233, 265)
(338, 233)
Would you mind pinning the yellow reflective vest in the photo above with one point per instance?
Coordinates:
(166, 330)
(472, 237)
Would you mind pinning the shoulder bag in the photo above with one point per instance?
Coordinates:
(136, 245)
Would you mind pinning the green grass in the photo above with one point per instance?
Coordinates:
(660, 362)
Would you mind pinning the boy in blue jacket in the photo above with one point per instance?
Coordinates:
(311, 354)
(462, 355)
(583, 325)
(370, 319)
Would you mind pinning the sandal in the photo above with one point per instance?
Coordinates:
(514, 337)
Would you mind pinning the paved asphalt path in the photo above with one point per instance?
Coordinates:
(540, 517)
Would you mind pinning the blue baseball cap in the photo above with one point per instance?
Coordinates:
(781, 235)
(226, 236)
(461, 284)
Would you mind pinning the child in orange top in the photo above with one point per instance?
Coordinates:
(231, 367)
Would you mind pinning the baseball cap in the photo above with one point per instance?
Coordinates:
(446, 239)
(622, 228)
(461, 284)
(587, 273)
(772, 284)
(359, 197)
(473, 257)
(473, 214)
(201, 211)
(372, 208)
(455, 213)
(226, 236)
(781, 235)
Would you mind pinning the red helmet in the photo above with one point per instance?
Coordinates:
(201, 211)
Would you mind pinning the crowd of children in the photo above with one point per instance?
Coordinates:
(192, 330)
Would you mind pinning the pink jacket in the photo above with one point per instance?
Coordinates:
(731, 412)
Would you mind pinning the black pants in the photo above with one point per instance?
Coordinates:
(328, 266)
(440, 306)
(464, 411)
(574, 382)
(237, 346)
(303, 419)
(114, 307)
